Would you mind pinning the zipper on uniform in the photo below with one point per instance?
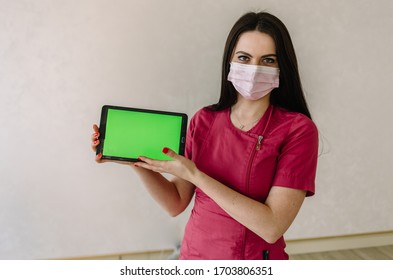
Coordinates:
(257, 148)
(260, 138)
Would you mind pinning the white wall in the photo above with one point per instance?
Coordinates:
(60, 61)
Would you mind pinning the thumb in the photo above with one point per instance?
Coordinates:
(169, 152)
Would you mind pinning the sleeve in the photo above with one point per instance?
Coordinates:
(190, 138)
(198, 129)
(297, 162)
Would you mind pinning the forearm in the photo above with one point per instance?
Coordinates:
(252, 214)
(255, 215)
(269, 220)
(163, 191)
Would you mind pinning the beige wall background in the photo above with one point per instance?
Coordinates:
(60, 61)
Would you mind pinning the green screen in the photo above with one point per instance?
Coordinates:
(131, 134)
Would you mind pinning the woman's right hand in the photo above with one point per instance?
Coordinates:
(165, 192)
(95, 142)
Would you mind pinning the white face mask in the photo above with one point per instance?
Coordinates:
(253, 81)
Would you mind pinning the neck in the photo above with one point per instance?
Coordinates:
(251, 109)
(246, 113)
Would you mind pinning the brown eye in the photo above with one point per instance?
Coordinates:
(269, 60)
(243, 58)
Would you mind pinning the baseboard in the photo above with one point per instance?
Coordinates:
(323, 244)
(295, 246)
(148, 255)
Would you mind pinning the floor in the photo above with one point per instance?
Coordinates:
(372, 253)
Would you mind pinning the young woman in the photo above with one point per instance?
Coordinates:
(250, 159)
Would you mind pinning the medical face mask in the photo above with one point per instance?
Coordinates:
(253, 81)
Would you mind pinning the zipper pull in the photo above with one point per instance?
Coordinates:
(260, 138)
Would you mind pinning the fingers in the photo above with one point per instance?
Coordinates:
(94, 138)
(98, 158)
(96, 133)
(156, 165)
(169, 152)
(150, 164)
(94, 144)
(145, 161)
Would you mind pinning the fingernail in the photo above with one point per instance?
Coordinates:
(165, 150)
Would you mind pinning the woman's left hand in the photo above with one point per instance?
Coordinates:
(179, 166)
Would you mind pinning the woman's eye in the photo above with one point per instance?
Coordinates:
(269, 60)
(243, 58)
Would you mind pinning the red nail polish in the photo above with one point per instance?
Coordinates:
(165, 150)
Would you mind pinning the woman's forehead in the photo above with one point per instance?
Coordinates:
(255, 42)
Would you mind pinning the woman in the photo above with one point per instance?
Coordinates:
(250, 159)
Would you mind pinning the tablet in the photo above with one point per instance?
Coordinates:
(127, 133)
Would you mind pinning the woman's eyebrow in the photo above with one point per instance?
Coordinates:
(242, 52)
(263, 56)
(267, 55)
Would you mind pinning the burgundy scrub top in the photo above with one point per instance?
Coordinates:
(280, 150)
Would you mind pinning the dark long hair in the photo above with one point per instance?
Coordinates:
(289, 94)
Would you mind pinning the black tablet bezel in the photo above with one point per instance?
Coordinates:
(102, 129)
